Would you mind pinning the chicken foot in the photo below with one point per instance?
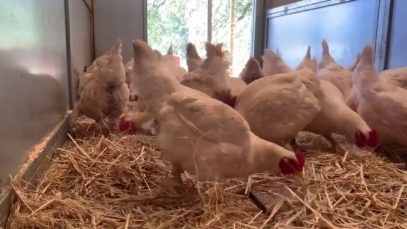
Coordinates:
(176, 173)
(176, 181)
(335, 146)
(294, 146)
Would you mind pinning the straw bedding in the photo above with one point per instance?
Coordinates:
(121, 182)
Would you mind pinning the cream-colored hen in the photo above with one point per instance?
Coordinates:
(252, 71)
(396, 77)
(382, 105)
(203, 136)
(277, 107)
(333, 72)
(193, 58)
(128, 69)
(336, 117)
(211, 76)
(273, 64)
(168, 62)
(103, 93)
(309, 77)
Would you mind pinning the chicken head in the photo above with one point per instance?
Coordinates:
(290, 166)
(193, 58)
(369, 139)
(252, 71)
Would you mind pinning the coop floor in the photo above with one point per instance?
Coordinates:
(121, 182)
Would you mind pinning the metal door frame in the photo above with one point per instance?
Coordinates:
(68, 45)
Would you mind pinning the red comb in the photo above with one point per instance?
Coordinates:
(300, 158)
(373, 139)
(289, 166)
(360, 139)
(124, 124)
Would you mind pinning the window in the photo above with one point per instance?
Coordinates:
(177, 22)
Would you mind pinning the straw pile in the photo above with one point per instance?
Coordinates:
(121, 182)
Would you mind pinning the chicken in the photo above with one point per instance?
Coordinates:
(351, 100)
(331, 71)
(138, 122)
(128, 69)
(309, 78)
(236, 87)
(252, 71)
(397, 77)
(201, 135)
(277, 66)
(193, 58)
(277, 107)
(103, 92)
(382, 105)
(142, 120)
(213, 78)
(353, 65)
(307, 62)
(336, 117)
(272, 64)
(168, 61)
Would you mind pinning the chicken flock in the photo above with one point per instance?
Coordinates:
(216, 126)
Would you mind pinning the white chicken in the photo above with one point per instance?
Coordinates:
(273, 64)
(138, 122)
(128, 69)
(211, 76)
(396, 77)
(382, 105)
(193, 58)
(336, 117)
(201, 135)
(252, 71)
(277, 107)
(142, 120)
(168, 61)
(353, 65)
(336, 74)
(236, 86)
(309, 77)
(102, 91)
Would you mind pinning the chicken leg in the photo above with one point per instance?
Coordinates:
(335, 147)
(176, 173)
(176, 181)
